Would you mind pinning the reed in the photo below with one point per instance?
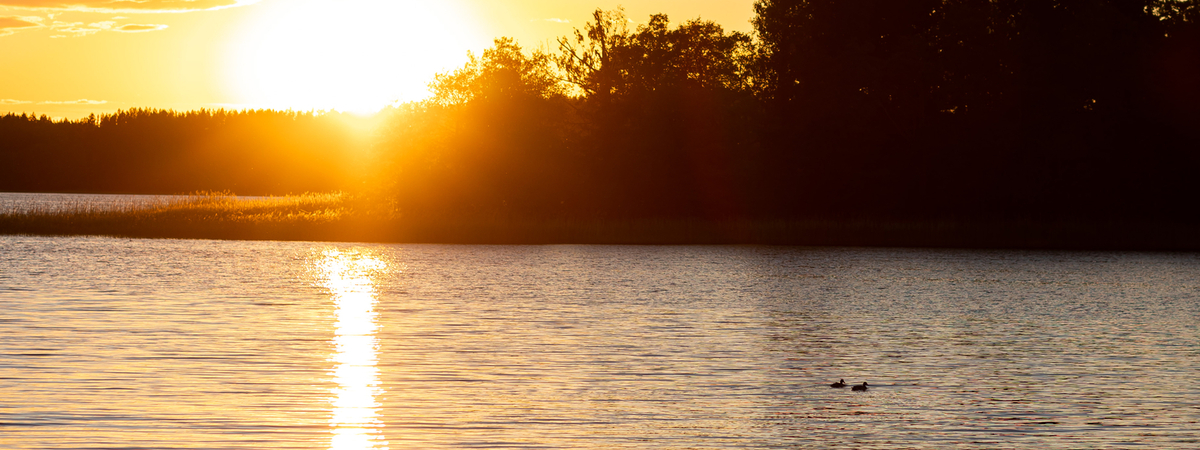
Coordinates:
(219, 215)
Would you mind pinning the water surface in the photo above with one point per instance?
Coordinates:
(118, 343)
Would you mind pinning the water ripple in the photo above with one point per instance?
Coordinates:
(109, 343)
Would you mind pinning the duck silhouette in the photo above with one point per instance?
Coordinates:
(863, 387)
(840, 384)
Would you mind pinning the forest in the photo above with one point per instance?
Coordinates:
(166, 152)
(889, 110)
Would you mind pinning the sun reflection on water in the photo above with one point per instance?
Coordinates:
(350, 277)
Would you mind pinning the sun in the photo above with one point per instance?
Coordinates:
(348, 55)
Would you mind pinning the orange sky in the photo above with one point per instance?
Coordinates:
(68, 58)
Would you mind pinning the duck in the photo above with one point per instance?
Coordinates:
(863, 387)
(840, 384)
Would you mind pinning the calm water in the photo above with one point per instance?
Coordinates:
(116, 343)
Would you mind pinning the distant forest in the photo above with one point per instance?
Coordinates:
(1041, 110)
(167, 152)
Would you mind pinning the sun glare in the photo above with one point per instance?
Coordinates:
(348, 55)
(349, 276)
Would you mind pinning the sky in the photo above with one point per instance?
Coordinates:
(70, 58)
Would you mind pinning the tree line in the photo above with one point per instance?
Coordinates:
(843, 109)
(252, 152)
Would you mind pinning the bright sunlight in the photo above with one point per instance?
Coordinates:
(348, 55)
(349, 276)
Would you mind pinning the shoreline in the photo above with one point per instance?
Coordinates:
(1029, 235)
(340, 217)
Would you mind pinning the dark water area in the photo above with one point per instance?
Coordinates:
(119, 343)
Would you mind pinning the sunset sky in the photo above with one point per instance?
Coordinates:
(69, 58)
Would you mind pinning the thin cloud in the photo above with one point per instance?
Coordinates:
(79, 29)
(552, 19)
(9, 101)
(19, 22)
(138, 28)
(12, 24)
(127, 6)
(82, 101)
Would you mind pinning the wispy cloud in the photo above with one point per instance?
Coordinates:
(139, 28)
(11, 24)
(75, 28)
(127, 6)
(80, 29)
(9, 101)
(82, 101)
(552, 19)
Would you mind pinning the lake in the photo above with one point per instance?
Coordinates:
(119, 343)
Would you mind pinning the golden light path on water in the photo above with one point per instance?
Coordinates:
(350, 277)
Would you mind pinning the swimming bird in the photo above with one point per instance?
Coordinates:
(840, 384)
(860, 388)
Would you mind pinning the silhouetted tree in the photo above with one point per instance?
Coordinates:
(669, 116)
(837, 61)
(612, 61)
(494, 140)
(503, 73)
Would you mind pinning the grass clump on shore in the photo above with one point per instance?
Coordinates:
(226, 207)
